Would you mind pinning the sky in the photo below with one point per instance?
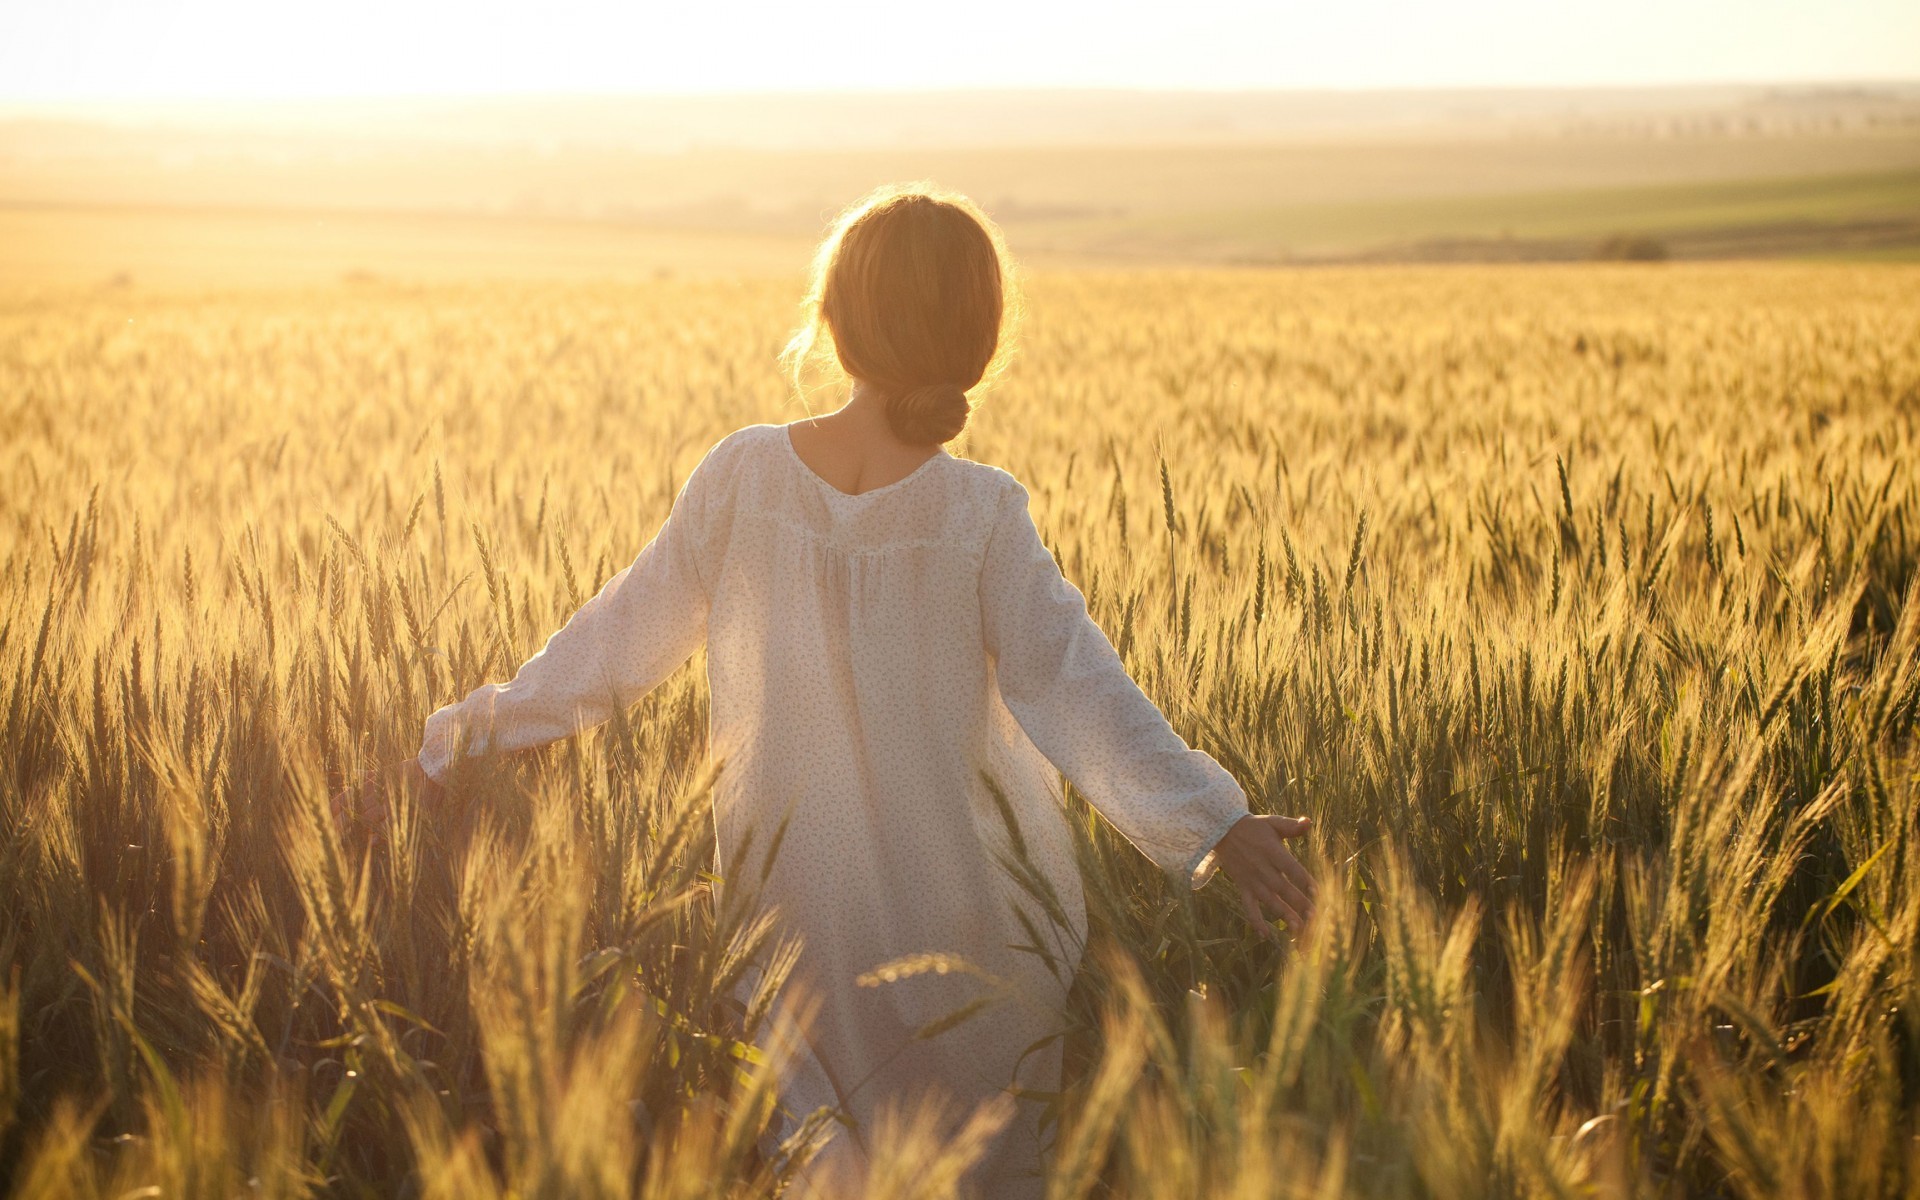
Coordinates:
(115, 50)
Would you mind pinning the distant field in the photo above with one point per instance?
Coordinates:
(1868, 217)
(792, 189)
(193, 248)
(83, 203)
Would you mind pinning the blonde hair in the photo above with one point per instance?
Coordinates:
(915, 293)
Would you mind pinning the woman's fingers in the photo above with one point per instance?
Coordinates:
(1298, 903)
(1271, 880)
(1276, 904)
(1282, 859)
(1262, 905)
(360, 801)
(1273, 864)
(1255, 917)
(1271, 874)
(1296, 873)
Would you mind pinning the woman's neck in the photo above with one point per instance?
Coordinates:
(854, 447)
(866, 407)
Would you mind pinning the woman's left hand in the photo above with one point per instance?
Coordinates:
(363, 803)
(1272, 882)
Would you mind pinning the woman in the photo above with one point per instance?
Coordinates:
(890, 643)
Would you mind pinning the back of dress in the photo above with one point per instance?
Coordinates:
(880, 665)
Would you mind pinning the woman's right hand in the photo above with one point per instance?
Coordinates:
(1272, 882)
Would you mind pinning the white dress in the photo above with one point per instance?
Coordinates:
(869, 657)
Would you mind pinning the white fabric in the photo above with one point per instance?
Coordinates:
(867, 657)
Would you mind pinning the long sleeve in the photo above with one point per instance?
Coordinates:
(1065, 684)
(643, 624)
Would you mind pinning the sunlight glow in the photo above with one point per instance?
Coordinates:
(124, 49)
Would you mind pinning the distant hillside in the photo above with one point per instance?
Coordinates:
(1076, 177)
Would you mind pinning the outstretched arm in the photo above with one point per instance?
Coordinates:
(1064, 682)
(642, 624)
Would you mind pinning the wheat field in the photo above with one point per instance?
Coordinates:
(1577, 605)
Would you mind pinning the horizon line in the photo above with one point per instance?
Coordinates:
(843, 90)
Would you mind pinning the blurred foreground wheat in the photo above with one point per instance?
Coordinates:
(1578, 606)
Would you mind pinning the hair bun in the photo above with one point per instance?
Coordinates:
(931, 413)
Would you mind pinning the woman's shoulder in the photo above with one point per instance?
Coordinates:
(727, 455)
(746, 435)
(996, 481)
